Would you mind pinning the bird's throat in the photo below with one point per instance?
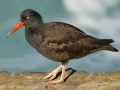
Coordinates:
(34, 28)
(33, 34)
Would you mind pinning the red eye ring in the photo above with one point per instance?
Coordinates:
(27, 17)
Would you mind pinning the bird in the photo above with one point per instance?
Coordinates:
(58, 41)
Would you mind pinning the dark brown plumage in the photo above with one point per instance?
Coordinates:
(59, 41)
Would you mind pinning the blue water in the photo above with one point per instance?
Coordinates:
(100, 18)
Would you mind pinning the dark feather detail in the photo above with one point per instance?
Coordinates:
(60, 41)
(66, 41)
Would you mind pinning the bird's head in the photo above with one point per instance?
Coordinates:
(27, 17)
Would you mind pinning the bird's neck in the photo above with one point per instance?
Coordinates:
(33, 33)
(34, 27)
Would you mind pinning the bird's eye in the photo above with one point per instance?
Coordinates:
(27, 18)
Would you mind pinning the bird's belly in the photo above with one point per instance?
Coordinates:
(59, 56)
(53, 55)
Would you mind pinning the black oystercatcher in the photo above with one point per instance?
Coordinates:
(58, 41)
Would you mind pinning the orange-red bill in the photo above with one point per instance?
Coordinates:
(16, 27)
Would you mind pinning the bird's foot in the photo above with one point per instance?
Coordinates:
(50, 76)
(53, 74)
(56, 81)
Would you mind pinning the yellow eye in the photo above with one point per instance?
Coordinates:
(27, 17)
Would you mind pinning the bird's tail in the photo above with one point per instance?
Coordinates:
(108, 41)
(108, 46)
(104, 44)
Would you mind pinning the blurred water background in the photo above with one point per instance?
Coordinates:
(99, 18)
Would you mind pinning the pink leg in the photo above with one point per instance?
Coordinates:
(62, 75)
(53, 74)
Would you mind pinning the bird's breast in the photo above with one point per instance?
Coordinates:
(34, 39)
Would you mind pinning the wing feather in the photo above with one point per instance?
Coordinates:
(63, 37)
